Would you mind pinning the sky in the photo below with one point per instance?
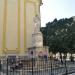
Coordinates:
(52, 9)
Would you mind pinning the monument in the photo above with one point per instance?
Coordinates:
(37, 40)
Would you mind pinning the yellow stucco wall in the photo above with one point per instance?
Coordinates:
(16, 24)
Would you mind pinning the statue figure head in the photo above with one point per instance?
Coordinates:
(36, 19)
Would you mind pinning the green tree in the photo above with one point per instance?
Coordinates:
(59, 35)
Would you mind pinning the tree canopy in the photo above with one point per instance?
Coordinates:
(59, 35)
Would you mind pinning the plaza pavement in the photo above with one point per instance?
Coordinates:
(72, 74)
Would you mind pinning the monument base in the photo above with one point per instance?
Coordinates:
(37, 52)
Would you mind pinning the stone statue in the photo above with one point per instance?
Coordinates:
(37, 24)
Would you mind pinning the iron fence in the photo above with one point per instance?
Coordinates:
(34, 66)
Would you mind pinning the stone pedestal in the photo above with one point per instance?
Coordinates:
(37, 40)
(38, 51)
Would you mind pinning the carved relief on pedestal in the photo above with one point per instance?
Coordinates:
(37, 39)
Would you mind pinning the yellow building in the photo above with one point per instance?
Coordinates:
(16, 25)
